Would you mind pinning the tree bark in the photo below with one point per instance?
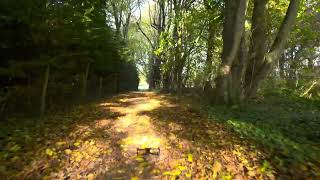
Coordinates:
(100, 86)
(258, 46)
(233, 27)
(155, 72)
(238, 68)
(281, 66)
(177, 70)
(276, 49)
(85, 81)
(44, 91)
(117, 15)
(209, 59)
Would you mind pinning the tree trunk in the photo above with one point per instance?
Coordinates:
(275, 51)
(44, 91)
(100, 86)
(258, 46)
(155, 73)
(281, 66)
(310, 63)
(237, 73)
(232, 34)
(167, 80)
(85, 81)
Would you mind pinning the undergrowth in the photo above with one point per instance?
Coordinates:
(287, 126)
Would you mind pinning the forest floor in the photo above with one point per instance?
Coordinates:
(100, 141)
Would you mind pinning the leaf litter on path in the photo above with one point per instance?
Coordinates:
(100, 141)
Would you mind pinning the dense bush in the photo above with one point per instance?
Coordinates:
(55, 51)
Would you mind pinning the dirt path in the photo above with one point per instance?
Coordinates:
(101, 140)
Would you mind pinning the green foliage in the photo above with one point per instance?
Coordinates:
(67, 35)
(288, 126)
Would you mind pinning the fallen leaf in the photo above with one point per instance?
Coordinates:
(216, 166)
(61, 143)
(90, 176)
(182, 168)
(155, 171)
(68, 151)
(190, 157)
(139, 159)
(188, 175)
(135, 178)
(49, 152)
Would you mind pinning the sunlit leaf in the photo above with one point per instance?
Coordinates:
(216, 167)
(68, 151)
(61, 143)
(50, 152)
(90, 176)
(155, 171)
(139, 159)
(188, 175)
(135, 178)
(182, 168)
(77, 143)
(190, 157)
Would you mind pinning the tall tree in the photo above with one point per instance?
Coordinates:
(238, 79)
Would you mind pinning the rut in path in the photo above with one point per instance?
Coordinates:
(101, 140)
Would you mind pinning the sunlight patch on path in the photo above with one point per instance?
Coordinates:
(140, 132)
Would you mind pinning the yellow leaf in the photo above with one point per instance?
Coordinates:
(109, 151)
(77, 156)
(214, 175)
(68, 151)
(61, 143)
(155, 171)
(216, 167)
(176, 172)
(90, 176)
(172, 137)
(182, 168)
(188, 175)
(227, 177)
(86, 133)
(135, 178)
(251, 173)
(139, 159)
(190, 157)
(91, 142)
(143, 164)
(78, 142)
(49, 152)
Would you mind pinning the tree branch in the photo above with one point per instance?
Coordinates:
(282, 36)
